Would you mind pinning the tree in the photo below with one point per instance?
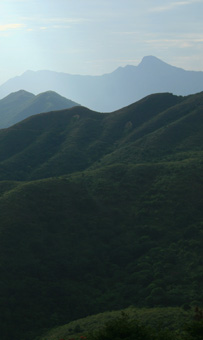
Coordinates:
(125, 328)
(195, 328)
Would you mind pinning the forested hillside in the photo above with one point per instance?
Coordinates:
(99, 212)
(158, 128)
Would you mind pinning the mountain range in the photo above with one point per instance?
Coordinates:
(100, 211)
(114, 90)
(62, 142)
(22, 104)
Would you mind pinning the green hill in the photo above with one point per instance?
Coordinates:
(99, 212)
(161, 127)
(22, 104)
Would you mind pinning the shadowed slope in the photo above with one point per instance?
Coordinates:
(98, 241)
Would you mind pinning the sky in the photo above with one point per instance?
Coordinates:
(97, 36)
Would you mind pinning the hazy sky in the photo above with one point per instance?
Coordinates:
(97, 36)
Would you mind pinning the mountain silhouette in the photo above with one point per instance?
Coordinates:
(111, 91)
(22, 104)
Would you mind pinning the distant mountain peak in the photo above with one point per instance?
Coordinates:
(28, 72)
(151, 60)
(20, 105)
(19, 94)
(110, 91)
(47, 93)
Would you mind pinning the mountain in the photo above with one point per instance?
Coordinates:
(114, 90)
(22, 104)
(61, 142)
(99, 212)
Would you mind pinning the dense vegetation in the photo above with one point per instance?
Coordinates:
(173, 323)
(159, 128)
(125, 328)
(99, 212)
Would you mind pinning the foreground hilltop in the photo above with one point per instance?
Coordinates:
(99, 212)
(160, 127)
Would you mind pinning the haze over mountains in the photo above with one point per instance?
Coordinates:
(114, 90)
(22, 104)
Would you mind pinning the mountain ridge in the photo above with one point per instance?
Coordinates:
(22, 104)
(79, 138)
(123, 86)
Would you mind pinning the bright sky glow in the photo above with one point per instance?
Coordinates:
(97, 36)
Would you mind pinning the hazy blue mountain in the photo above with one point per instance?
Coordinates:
(22, 104)
(114, 90)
